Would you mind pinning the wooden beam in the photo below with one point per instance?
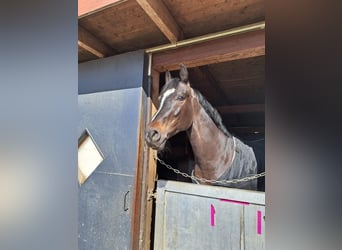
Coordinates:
(90, 43)
(150, 180)
(234, 109)
(155, 88)
(245, 45)
(87, 7)
(161, 16)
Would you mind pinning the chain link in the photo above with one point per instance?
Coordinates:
(199, 179)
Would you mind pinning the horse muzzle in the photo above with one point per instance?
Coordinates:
(155, 139)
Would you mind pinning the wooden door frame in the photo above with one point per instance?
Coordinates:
(241, 46)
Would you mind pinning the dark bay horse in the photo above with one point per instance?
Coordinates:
(217, 154)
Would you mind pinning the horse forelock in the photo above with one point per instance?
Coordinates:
(212, 112)
(173, 83)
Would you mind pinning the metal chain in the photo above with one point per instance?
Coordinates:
(199, 179)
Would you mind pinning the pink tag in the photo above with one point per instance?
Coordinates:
(258, 222)
(212, 215)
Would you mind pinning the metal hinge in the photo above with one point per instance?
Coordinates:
(151, 195)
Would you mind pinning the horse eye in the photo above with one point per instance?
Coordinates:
(180, 98)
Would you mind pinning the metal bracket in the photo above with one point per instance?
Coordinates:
(151, 195)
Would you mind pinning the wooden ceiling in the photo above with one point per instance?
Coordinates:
(228, 71)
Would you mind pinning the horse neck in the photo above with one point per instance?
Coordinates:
(212, 148)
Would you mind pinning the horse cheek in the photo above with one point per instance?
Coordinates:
(177, 111)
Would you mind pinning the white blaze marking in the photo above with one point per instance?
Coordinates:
(165, 95)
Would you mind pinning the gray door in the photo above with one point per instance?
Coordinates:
(191, 216)
(111, 118)
(109, 103)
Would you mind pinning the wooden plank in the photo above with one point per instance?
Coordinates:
(198, 17)
(90, 43)
(84, 55)
(140, 187)
(248, 108)
(124, 27)
(145, 179)
(151, 178)
(161, 16)
(239, 70)
(87, 7)
(155, 88)
(230, 48)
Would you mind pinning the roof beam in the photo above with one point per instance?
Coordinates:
(90, 43)
(248, 108)
(240, 46)
(87, 7)
(161, 16)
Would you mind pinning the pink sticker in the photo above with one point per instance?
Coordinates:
(258, 222)
(212, 215)
(236, 202)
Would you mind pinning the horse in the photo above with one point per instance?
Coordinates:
(218, 155)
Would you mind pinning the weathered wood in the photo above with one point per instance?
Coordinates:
(198, 17)
(140, 191)
(84, 55)
(248, 108)
(124, 27)
(151, 178)
(243, 70)
(235, 47)
(160, 15)
(90, 43)
(87, 7)
(155, 88)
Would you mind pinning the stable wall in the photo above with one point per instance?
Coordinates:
(110, 96)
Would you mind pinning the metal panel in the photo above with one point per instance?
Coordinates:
(190, 216)
(254, 240)
(110, 95)
(105, 218)
(112, 120)
(116, 72)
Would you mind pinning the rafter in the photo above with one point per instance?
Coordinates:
(90, 43)
(161, 16)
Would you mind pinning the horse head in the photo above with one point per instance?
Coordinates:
(175, 110)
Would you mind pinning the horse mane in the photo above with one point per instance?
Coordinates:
(212, 112)
(209, 109)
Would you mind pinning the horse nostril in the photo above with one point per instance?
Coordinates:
(154, 135)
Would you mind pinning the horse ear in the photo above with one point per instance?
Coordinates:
(167, 76)
(184, 75)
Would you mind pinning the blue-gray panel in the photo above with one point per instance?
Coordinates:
(111, 73)
(112, 119)
(103, 222)
(191, 216)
